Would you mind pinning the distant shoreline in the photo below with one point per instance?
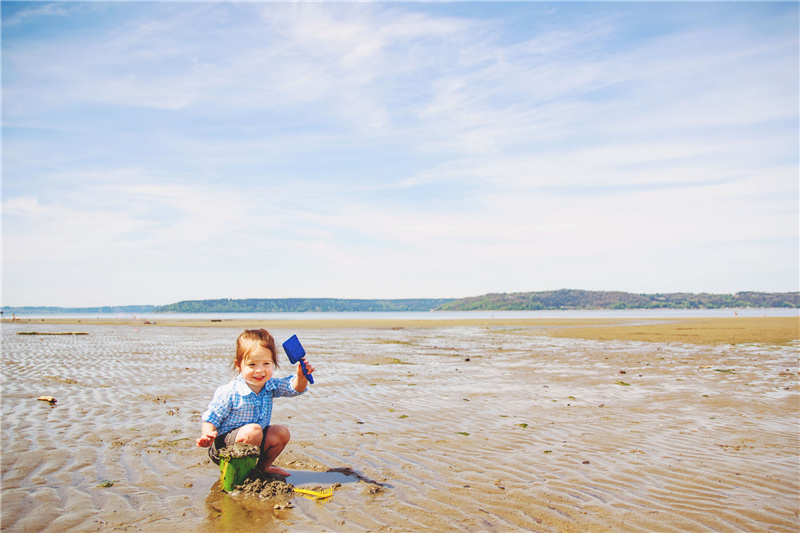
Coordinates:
(559, 300)
(427, 316)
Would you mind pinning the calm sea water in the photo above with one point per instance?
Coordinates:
(438, 315)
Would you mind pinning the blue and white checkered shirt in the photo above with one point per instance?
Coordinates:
(235, 404)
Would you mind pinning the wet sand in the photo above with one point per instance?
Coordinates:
(476, 425)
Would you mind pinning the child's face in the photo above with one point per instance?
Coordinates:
(257, 368)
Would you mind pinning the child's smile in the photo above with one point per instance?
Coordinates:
(257, 368)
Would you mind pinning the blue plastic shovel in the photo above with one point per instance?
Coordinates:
(295, 351)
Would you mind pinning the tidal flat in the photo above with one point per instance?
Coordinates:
(474, 425)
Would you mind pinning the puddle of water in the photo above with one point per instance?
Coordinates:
(301, 478)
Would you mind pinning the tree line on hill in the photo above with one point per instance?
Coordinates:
(576, 299)
(518, 301)
(301, 305)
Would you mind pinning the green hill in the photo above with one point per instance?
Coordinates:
(300, 305)
(517, 301)
(577, 299)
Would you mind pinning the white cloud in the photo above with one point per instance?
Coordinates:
(35, 14)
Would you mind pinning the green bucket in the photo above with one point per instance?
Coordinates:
(233, 471)
(235, 463)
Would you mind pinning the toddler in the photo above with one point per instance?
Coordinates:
(241, 410)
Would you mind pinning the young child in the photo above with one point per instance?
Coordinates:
(241, 410)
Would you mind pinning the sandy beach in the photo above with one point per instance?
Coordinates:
(466, 425)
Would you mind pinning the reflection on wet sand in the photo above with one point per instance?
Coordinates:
(229, 513)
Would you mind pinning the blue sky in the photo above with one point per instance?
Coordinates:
(157, 152)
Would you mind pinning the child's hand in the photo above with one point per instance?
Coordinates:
(309, 368)
(206, 440)
(301, 381)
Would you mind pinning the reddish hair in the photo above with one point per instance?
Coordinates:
(249, 341)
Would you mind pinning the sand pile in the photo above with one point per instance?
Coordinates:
(239, 450)
(266, 487)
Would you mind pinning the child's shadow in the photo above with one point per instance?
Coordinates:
(349, 472)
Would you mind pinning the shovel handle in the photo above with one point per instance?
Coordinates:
(308, 376)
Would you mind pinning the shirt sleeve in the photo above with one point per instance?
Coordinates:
(219, 408)
(283, 387)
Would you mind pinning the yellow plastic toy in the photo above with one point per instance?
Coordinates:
(316, 494)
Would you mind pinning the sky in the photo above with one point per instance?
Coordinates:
(154, 152)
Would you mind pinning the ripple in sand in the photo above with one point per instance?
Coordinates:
(662, 456)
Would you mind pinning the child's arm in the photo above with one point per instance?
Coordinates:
(300, 382)
(209, 433)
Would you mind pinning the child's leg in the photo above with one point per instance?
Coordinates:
(275, 440)
(250, 434)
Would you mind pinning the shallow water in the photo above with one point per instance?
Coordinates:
(530, 433)
(311, 478)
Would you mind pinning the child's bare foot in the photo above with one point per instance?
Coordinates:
(276, 471)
